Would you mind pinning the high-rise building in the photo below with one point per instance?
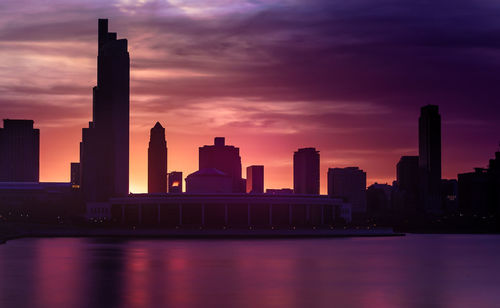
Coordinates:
(19, 151)
(306, 171)
(429, 159)
(157, 160)
(255, 179)
(104, 150)
(349, 184)
(175, 182)
(225, 158)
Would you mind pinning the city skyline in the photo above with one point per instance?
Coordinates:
(372, 135)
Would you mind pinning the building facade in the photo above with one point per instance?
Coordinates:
(19, 151)
(349, 184)
(255, 180)
(306, 171)
(104, 150)
(429, 158)
(157, 160)
(175, 182)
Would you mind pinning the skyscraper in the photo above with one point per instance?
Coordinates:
(19, 151)
(104, 150)
(225, 158)
(429, 158)
(255, 179)
(350, 184)
(157, 160)
(306, 171)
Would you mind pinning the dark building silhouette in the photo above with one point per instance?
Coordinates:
(75, 175)
(449, 193)
(349, 184)
(175, 182)
(407, 185)
(306, 171)
(209, 180)
(429, 149)
(104, 150)
(379, 201)
(225, 158)
(19, 151)
(157, 160)
(255, 180)
(479, 191)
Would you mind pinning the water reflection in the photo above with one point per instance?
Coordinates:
(414, 271)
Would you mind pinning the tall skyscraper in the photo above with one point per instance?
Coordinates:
(157, 160)
(175, 182)
(429, 158)
(306, 171)
(19, 151)
(225, 158)
(104, 150)
(350, 184)
(255, 179)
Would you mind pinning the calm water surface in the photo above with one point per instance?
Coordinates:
(411, 271)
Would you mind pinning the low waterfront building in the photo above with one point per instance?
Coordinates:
(231, 210)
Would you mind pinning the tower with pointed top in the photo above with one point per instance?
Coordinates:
(104, 150)
(157, 160)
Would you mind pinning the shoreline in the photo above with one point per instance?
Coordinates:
(200, 234)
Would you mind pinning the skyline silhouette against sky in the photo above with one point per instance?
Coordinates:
(346, 78)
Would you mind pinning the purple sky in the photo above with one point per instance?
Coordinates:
(347, 77)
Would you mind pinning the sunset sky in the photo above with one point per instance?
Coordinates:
(346, 77)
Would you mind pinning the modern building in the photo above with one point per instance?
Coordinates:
(379, 200)
(232, 210)
(225, 158)
(157, 160)
(175, 182)
(349, 184)
(429, 158)
(104, 150)
(255, 180)
(449, 195)
(306, 171)
(209, 180)
(19, 151)
(474, 193)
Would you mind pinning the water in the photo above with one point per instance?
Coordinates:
(411, 271)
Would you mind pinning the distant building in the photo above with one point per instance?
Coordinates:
(280, 191)
(379, 200)
(225, 158)
(209, 180)
(350, 184)
(104, 150)
(175, 182)
(407, 186)
(157, 160)
(255, 180)
(75, 175)
(429, 149)
(306, 171)
(19, 151)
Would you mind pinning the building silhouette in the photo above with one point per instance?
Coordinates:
(306, 171)
(19, 151)
(429, 158)
(157, 160)
(255, 180)
(104, 150)
(407, 185)
(175, 182)
(349, 184)
(225, 158)
(209, 180)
